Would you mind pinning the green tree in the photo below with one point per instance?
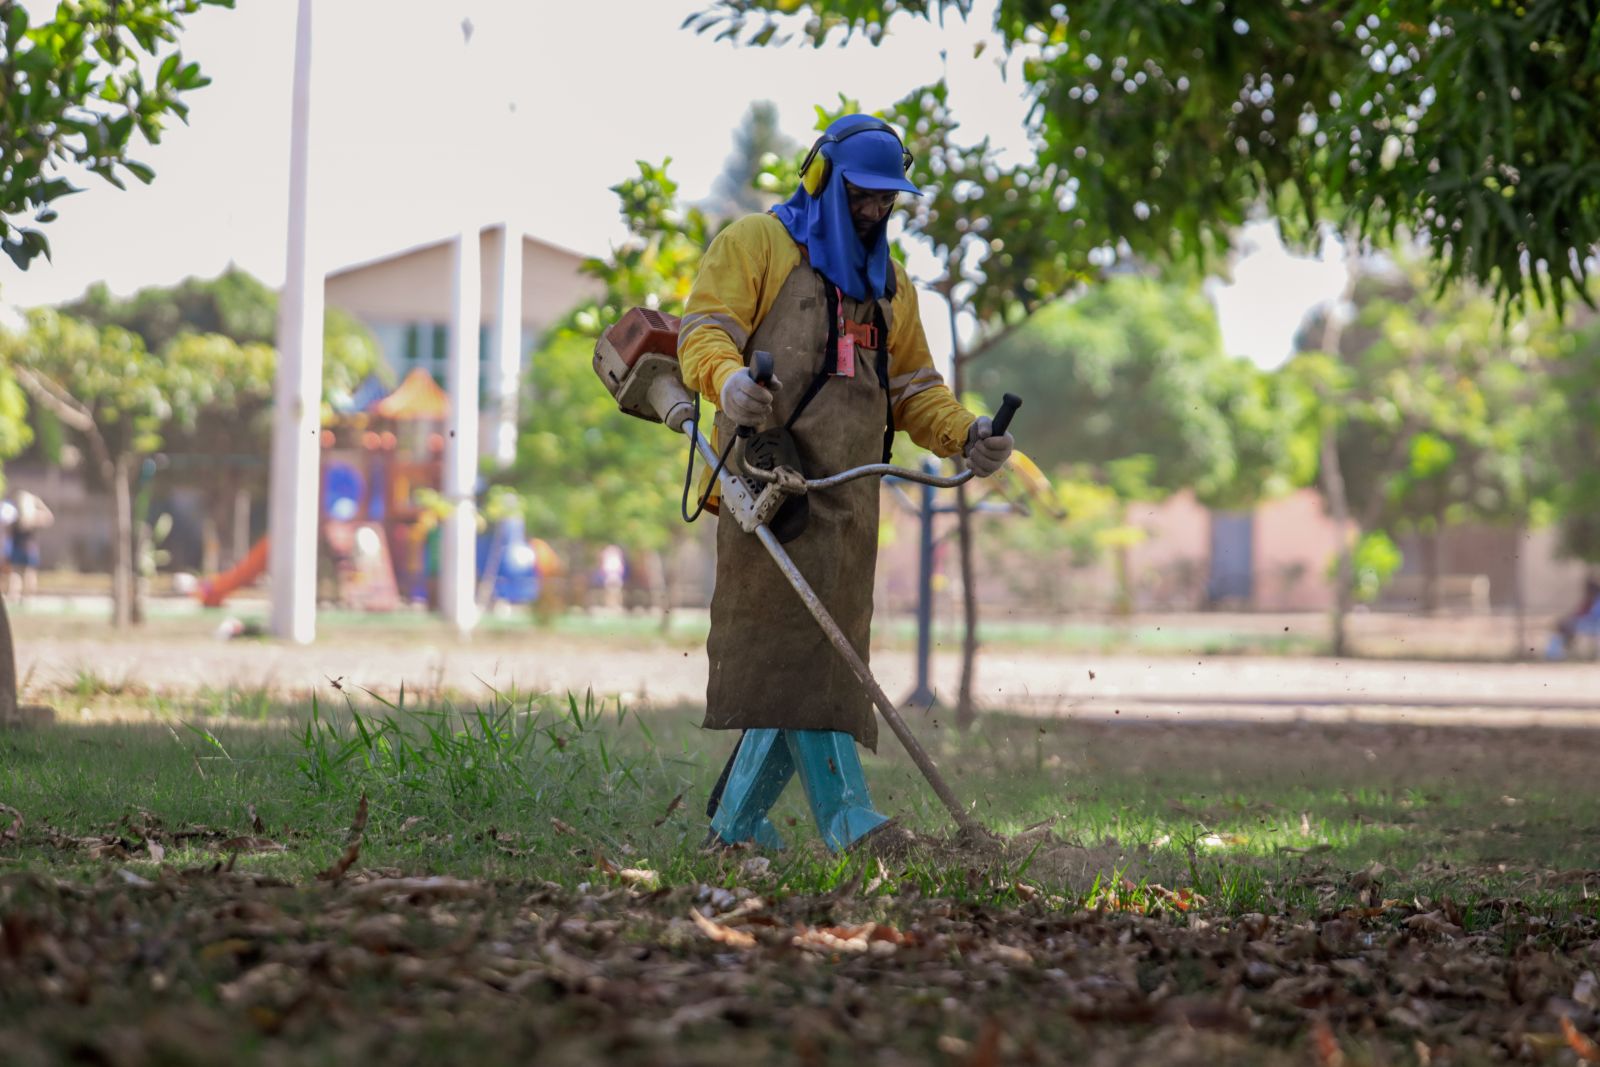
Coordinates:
(1133, 392)
(217, 335)
(83, 86)
(134, 378)
(588, 473)
(107, 386)
(1439, 411)
(1574, 441)
(1468, 123)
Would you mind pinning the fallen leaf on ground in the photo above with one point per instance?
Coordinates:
(436, 887)
(14, 831)
(352, 848)
(1433, 922)
(1580, 1043)
(721, 934)
(251, 844)
(644, 879)
(1324, 1045)
(677, 802)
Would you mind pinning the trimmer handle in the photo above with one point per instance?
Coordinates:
(761, 371)
(761, 368)
(1008, 408)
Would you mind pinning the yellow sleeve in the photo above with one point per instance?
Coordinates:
(924, 406)
(738, 282)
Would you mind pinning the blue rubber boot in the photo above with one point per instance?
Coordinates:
(762, 767)
(836, 786)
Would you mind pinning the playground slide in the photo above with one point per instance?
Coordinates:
(217, 588)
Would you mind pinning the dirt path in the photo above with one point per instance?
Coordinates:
(1247, 688)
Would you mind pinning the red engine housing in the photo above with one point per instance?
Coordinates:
(644, 330)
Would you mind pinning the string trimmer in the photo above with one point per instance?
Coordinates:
(637, 361)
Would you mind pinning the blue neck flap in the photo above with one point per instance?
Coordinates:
(822, 224)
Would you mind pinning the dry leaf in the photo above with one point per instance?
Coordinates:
(1433, 922)
(721, 934)
(352, 848)
(986, 1053)
(1324, 1046)
(255, 820)
(436, 887)
(561, 828)
(157, 852)
(677, 802)
(1585, 1048)
(251, 844)
(1587, 992)
(644, 879)
(14, 831)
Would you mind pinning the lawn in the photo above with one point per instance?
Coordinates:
(520, 879)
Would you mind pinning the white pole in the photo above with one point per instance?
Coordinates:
(458, 541)
(297, 391)
(508, 348)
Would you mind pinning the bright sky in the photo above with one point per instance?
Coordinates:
(547, 106)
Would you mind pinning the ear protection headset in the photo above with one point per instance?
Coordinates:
(815, 169)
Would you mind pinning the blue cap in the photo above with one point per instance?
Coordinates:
(871, 159)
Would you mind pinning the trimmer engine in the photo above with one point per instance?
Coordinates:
(637, 360)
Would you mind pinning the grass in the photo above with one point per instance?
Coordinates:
(527, 886)
(534, 787)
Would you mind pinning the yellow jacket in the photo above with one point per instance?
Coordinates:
(740, 276)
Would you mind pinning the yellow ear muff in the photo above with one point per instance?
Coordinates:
(814, 171)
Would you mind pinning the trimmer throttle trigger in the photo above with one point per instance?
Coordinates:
(1008, 408)
(761, 371)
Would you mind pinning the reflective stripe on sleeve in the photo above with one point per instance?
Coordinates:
(726, 323)
(904, 386)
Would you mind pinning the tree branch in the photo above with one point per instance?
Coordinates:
(58, 400)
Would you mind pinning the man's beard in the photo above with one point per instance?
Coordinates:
(865, 231)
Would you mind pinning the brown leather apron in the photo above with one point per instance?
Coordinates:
(771, 666)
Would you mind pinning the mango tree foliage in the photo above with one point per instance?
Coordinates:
(1468, 123)
(105, 385)
(1131, 391)
(587, 472)
(1445, 411)
(1136, 367)
(83, 87)
(186, 372)
(1574, 442)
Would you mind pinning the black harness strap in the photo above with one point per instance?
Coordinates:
(830, 354)
(830, 364)
(882, 326)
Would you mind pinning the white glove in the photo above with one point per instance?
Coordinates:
(745, 402)
(985, 452)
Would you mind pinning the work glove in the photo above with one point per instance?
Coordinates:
(745, 402)
(985, 452)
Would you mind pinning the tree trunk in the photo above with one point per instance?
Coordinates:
(663, 589)
(1519, 597)
(8, 670)
(241, 525)
(1430, 572)
(1332, 477)
(210, 544)
(1331, 474)
(1122, 604)
(966, 712)
(122, 541)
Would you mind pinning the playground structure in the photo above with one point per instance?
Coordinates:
(378, 531)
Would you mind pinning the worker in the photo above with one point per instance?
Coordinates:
(812, 282)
